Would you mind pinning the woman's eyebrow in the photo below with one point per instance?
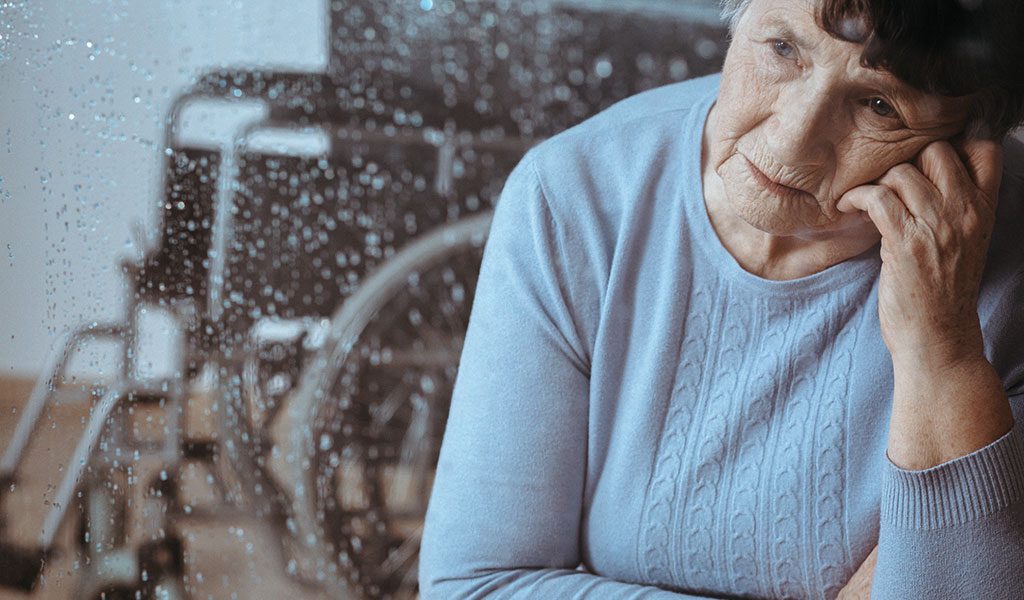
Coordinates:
(783, 29)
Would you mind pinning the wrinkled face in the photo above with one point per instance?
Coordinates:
(799, 121)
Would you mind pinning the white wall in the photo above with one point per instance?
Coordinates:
(71, 187)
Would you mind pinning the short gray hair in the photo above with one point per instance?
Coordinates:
(945, 47)
(732, 10)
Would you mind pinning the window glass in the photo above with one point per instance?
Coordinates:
(241, 243)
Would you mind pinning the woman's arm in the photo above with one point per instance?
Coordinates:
(952, 515)
(507, 502)
(936, 218)
(955, 530)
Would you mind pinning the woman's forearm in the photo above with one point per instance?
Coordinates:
(952, 512)
(943, 410)
(936, 217)
(955, 530)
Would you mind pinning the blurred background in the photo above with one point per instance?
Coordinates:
(241, 241)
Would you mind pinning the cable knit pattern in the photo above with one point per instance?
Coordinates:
(708, 500)
(828, 540)
(747, 506)
(661, 496)
(706, 457)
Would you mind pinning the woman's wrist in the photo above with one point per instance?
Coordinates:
(955, 344)
(944, 410)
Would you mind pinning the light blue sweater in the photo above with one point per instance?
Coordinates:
(636, 416)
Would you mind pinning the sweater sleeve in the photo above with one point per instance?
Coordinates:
(955, 530)
(506, 506)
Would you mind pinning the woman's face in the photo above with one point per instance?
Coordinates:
(799, 122)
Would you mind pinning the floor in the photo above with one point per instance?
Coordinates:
(223, 559)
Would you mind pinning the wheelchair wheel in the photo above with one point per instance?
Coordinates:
(376, 401)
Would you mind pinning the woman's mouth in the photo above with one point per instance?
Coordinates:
(772, 186)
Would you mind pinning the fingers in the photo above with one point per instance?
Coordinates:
(919, 194)
(984, 161)
(977, 165)
(859, 586)
(868, 566)
(881, 204)
(941, 164)
(941, 182)
(907, 192)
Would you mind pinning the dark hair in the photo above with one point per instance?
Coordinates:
(959, 48)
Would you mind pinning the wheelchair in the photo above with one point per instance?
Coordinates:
(319, 266)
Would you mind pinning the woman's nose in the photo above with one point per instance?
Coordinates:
(804, 123)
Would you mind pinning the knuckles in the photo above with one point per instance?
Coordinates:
(903, 173)
(883, 195)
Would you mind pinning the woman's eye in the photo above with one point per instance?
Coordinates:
(882, 108)
(783, 49)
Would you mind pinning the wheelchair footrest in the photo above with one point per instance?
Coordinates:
(20, 567)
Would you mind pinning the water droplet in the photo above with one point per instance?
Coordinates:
(427, 384)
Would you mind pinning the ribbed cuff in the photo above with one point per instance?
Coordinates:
(961, 490)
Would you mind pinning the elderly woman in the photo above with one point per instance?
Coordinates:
(733, 334)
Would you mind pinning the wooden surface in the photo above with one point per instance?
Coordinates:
(224, 559)
(24, 507)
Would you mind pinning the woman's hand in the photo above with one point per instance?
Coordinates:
(936, 217)
(859, 586)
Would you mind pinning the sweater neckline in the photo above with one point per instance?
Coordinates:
(847, 272)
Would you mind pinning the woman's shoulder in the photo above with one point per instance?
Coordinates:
(647, 120)
(613, 159)
(651, 107)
